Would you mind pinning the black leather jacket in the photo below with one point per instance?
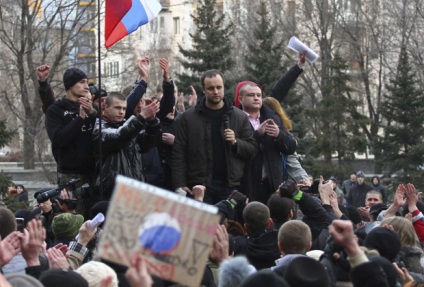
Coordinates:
(122, 145)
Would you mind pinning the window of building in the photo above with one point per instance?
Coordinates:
(111, 69)
(176, 25)
(154, 25)
(162, 22)
(116, 68)
(92, 70)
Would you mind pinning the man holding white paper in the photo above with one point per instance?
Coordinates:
(296, 45)
(266, 171)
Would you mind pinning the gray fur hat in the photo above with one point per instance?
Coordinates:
(233, 271)
(22, 280)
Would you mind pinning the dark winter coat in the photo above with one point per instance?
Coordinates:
(152, 163)
(23, 196)
(261, 250)
(379, 188)
(284, 84)
(269, 155)
(357, 195)
(192, 160)
(71, 137)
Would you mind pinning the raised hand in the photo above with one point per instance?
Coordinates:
(32, 241)
(192, 98)
(62, 248)
(137, 274)
(334, 202)
(85, 233)
(198, 192)
(220, 245)
(143, 65)
(150, 109)
(399, 199)
(56, 259)
(325, 190)
(412, 197)
(165, 69)
(180, 103)
(9, 247)
(302, 59)
(342, 233)
(43, 72)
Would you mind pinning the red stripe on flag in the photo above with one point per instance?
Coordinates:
(118, 33)
(115, 11)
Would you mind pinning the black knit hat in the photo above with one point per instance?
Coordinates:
(63, 278)
(28, 215)
(377, 208)
(264, 278)
(385, 241)
(73, 76)
(306, 272)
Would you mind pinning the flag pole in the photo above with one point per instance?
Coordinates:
(99, 73)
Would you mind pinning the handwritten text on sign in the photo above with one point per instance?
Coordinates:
(174, 233)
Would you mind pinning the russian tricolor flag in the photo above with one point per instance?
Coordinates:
(125, 16)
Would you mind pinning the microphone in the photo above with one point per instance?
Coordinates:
(226, 122)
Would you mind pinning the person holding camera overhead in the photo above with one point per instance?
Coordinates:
(53, 202)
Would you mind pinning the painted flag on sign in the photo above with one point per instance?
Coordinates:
(125, 16)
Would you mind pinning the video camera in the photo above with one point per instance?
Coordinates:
(54, 194)
(313, 189)
(97, 92)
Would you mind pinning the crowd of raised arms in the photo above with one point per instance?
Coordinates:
(278, 226)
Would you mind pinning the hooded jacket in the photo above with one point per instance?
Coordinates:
(71, 137)
(261, 250)
(192, 159)
(379, 188)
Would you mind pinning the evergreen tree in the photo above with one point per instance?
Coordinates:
(211, 47)
(403, 110)
(5, 134)
(336, 129)
(263, 61)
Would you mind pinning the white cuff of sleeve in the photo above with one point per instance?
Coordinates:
(358, 260)
(417, 217)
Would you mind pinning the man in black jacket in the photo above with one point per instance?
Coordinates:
(124, 140)
(260, 244)
(212, 143)
(69, 124)
(358, 193)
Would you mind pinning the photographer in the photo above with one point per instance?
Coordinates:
(53, 202)
(46, 216)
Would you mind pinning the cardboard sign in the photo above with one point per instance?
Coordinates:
(172, 232)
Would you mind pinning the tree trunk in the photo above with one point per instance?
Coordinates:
(29, 148)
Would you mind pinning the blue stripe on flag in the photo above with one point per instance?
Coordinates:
(135, 17)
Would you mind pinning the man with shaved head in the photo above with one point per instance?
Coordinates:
(259, 244)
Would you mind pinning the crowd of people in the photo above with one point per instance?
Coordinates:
(278, 226)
